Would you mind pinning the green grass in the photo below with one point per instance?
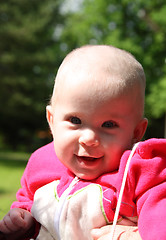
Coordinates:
(12, 166)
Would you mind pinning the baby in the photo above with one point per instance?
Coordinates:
(72, 185)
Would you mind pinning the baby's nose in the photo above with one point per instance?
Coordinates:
(89, 138)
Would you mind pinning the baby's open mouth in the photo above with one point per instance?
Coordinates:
(89, 162)
(88, 158)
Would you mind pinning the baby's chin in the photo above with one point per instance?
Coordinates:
(88, 177)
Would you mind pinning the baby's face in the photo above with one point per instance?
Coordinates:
(92, 128)
(92, 122)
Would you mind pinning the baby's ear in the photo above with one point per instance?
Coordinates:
(49, 116)
(140, 130)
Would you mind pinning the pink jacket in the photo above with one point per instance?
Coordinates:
(144, 194)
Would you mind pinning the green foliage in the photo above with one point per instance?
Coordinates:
(27, 65)
(158, 95)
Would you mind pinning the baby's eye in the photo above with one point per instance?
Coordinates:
(75, 120)
(109, 124)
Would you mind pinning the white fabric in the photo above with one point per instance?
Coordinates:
(78, 213)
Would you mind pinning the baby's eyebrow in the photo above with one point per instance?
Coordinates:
(72, 114)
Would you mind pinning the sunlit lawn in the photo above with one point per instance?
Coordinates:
(12, 166)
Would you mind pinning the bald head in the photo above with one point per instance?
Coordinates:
(120, 71)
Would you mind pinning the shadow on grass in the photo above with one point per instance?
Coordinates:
(10, 159)
(2, 191)
(13, 163)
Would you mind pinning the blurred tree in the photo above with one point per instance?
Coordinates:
(136, 26)
(28, 53)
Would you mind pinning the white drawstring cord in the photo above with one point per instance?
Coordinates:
(121, 192)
